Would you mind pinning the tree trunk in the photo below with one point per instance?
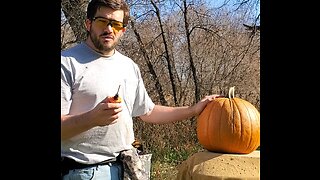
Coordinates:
(75, 12)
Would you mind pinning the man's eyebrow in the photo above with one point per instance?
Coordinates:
(106, 18)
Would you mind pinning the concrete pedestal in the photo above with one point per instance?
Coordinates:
(219, 166)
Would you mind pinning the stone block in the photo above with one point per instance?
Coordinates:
(220, 166)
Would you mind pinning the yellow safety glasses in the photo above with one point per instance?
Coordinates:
(102, 23)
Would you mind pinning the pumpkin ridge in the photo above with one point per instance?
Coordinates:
(203, 131)
(242, 124)
(229, 120)
(232, 112)
(213, 123)
(224, 103)
(210, 123)
(249, 113)
(238, 129)
(248, 148)
(255, 113)
(258, 124)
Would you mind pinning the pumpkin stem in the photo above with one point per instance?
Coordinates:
(231, 92)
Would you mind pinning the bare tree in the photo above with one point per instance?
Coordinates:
(150, 66)
(167, 57)
(75, 13)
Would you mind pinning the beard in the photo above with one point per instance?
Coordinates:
(101, 46)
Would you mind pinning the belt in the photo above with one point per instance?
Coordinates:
(69, 164)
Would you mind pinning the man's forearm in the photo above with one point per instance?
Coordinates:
(164, 114)
(72, 125)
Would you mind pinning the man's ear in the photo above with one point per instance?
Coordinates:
(124, 29)
(121, 32)
(87, 24)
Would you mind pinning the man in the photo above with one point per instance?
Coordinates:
(94, 129)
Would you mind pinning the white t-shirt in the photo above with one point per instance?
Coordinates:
(86, 79)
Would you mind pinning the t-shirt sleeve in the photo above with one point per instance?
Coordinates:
(143, 103)
(66, 89)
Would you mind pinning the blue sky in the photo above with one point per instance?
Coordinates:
(233, 4)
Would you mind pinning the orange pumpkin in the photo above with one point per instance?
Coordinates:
(229, 125)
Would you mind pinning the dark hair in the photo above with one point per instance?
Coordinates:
(94, 5)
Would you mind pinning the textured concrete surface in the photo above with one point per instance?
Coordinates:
(219, 166)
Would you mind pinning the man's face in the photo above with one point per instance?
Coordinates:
(106, 29)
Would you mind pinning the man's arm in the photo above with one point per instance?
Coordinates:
(72, 125)
(103, 114)
(165, 114)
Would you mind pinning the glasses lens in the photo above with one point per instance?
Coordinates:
(103, 23)
(116, 25)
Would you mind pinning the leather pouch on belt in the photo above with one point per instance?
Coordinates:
(133, 166)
